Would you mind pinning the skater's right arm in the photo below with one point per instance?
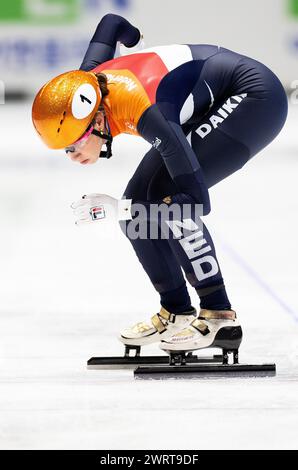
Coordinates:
(111, 29)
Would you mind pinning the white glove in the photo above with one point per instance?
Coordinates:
(93, 207)
(123, 50)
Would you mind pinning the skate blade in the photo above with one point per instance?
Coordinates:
(205, 371)
(132, 362)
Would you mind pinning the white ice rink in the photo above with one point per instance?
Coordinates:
(65, 292)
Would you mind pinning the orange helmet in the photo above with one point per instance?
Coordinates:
(65, 106)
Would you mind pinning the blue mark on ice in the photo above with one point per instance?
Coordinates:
(252, 273)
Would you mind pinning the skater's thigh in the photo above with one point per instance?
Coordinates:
(219, 155)
(224, 142)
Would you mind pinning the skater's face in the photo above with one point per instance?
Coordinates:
(88, 149)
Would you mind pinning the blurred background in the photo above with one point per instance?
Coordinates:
(65, 292)
(41, 38)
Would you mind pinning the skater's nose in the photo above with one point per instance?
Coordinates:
(75, 156)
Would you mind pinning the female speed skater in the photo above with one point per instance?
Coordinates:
(206, 111)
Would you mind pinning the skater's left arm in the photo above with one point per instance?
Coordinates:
(160, 125)
(111, 29)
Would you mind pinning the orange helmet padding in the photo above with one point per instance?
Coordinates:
(65, 106)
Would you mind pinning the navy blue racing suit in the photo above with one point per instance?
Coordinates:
(212, 114)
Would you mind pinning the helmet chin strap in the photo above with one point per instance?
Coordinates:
(109, 139)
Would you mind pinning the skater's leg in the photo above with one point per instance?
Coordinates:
(156, 255)
(198, 261)
(162, 258)
(202, 269)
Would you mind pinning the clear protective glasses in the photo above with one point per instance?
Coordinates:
(105, 135)
(76, 146)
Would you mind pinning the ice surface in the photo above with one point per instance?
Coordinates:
(66, 291)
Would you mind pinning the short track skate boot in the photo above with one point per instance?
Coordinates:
(162, 325)
(212, 329)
